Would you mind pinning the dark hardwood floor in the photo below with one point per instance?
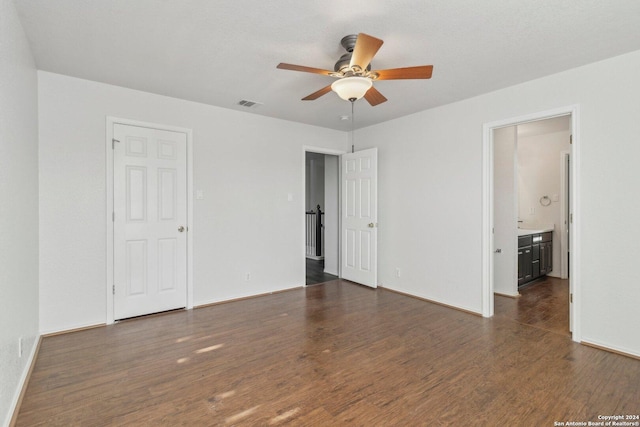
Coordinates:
(543, 304)
(324, 355)
(316, 274)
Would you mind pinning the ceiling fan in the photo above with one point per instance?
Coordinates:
(353, 70)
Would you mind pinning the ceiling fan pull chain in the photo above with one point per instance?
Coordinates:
(352, 128)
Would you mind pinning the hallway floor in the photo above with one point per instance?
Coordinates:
(316, 274)
(543, 305)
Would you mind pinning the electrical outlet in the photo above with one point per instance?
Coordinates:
(247, 277)
(398, 272)
(20, 347)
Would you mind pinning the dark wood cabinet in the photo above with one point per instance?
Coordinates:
(546, 253)
(521, 266)
(535, 255)
(546, 257)
(525, 267)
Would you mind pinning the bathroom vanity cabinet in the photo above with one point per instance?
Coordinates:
(535, 256)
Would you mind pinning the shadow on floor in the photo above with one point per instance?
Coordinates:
(316, 274)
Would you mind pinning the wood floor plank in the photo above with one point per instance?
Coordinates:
(330, 354)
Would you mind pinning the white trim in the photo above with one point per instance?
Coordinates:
(320, 150)
(574, 228)
(22, 382)
(487, 216)
(616, 348)
(487, 208)
(110, 122)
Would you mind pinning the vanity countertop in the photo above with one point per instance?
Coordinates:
(528, 231)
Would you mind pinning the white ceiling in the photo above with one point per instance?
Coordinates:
(220, 52)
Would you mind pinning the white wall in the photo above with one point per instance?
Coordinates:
(18, 207)
(331, 214)
(245, 164)
(430, 192)
(539, 175)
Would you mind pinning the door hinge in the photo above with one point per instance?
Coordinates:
(113, 143)
(570, 139)
(571, 218)
(113, 216)
(571, 298)
(113, 289)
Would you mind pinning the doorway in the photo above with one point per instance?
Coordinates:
(500, 211)
(321, 212)
(529, 190)
(356, 205)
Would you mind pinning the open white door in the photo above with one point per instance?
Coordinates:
(150, 220)
(360, 217)
(505, 207)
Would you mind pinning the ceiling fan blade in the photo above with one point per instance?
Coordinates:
(317, 94)
(365, 49)
(420, 72)
(292, 67)
(374, 97)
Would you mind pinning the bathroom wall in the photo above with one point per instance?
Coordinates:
(539, 174)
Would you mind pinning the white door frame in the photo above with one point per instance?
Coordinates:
(487, 209)
(320, 150)
(110, 122)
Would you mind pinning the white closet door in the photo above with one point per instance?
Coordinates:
(150, 220)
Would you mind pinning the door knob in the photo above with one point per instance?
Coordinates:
(181, 229)
(371, 225)
(498, 251)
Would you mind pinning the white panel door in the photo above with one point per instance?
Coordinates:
(505, 207)
(150, 220)
(360, 217)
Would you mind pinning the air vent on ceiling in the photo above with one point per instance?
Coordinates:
(249, 104)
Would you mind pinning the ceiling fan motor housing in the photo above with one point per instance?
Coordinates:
(349, 43)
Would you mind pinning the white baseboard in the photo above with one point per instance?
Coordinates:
(610, 347)
(504, 294)
(22, 384)
(206, 303)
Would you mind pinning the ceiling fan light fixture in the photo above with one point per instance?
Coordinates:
(351, 88)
